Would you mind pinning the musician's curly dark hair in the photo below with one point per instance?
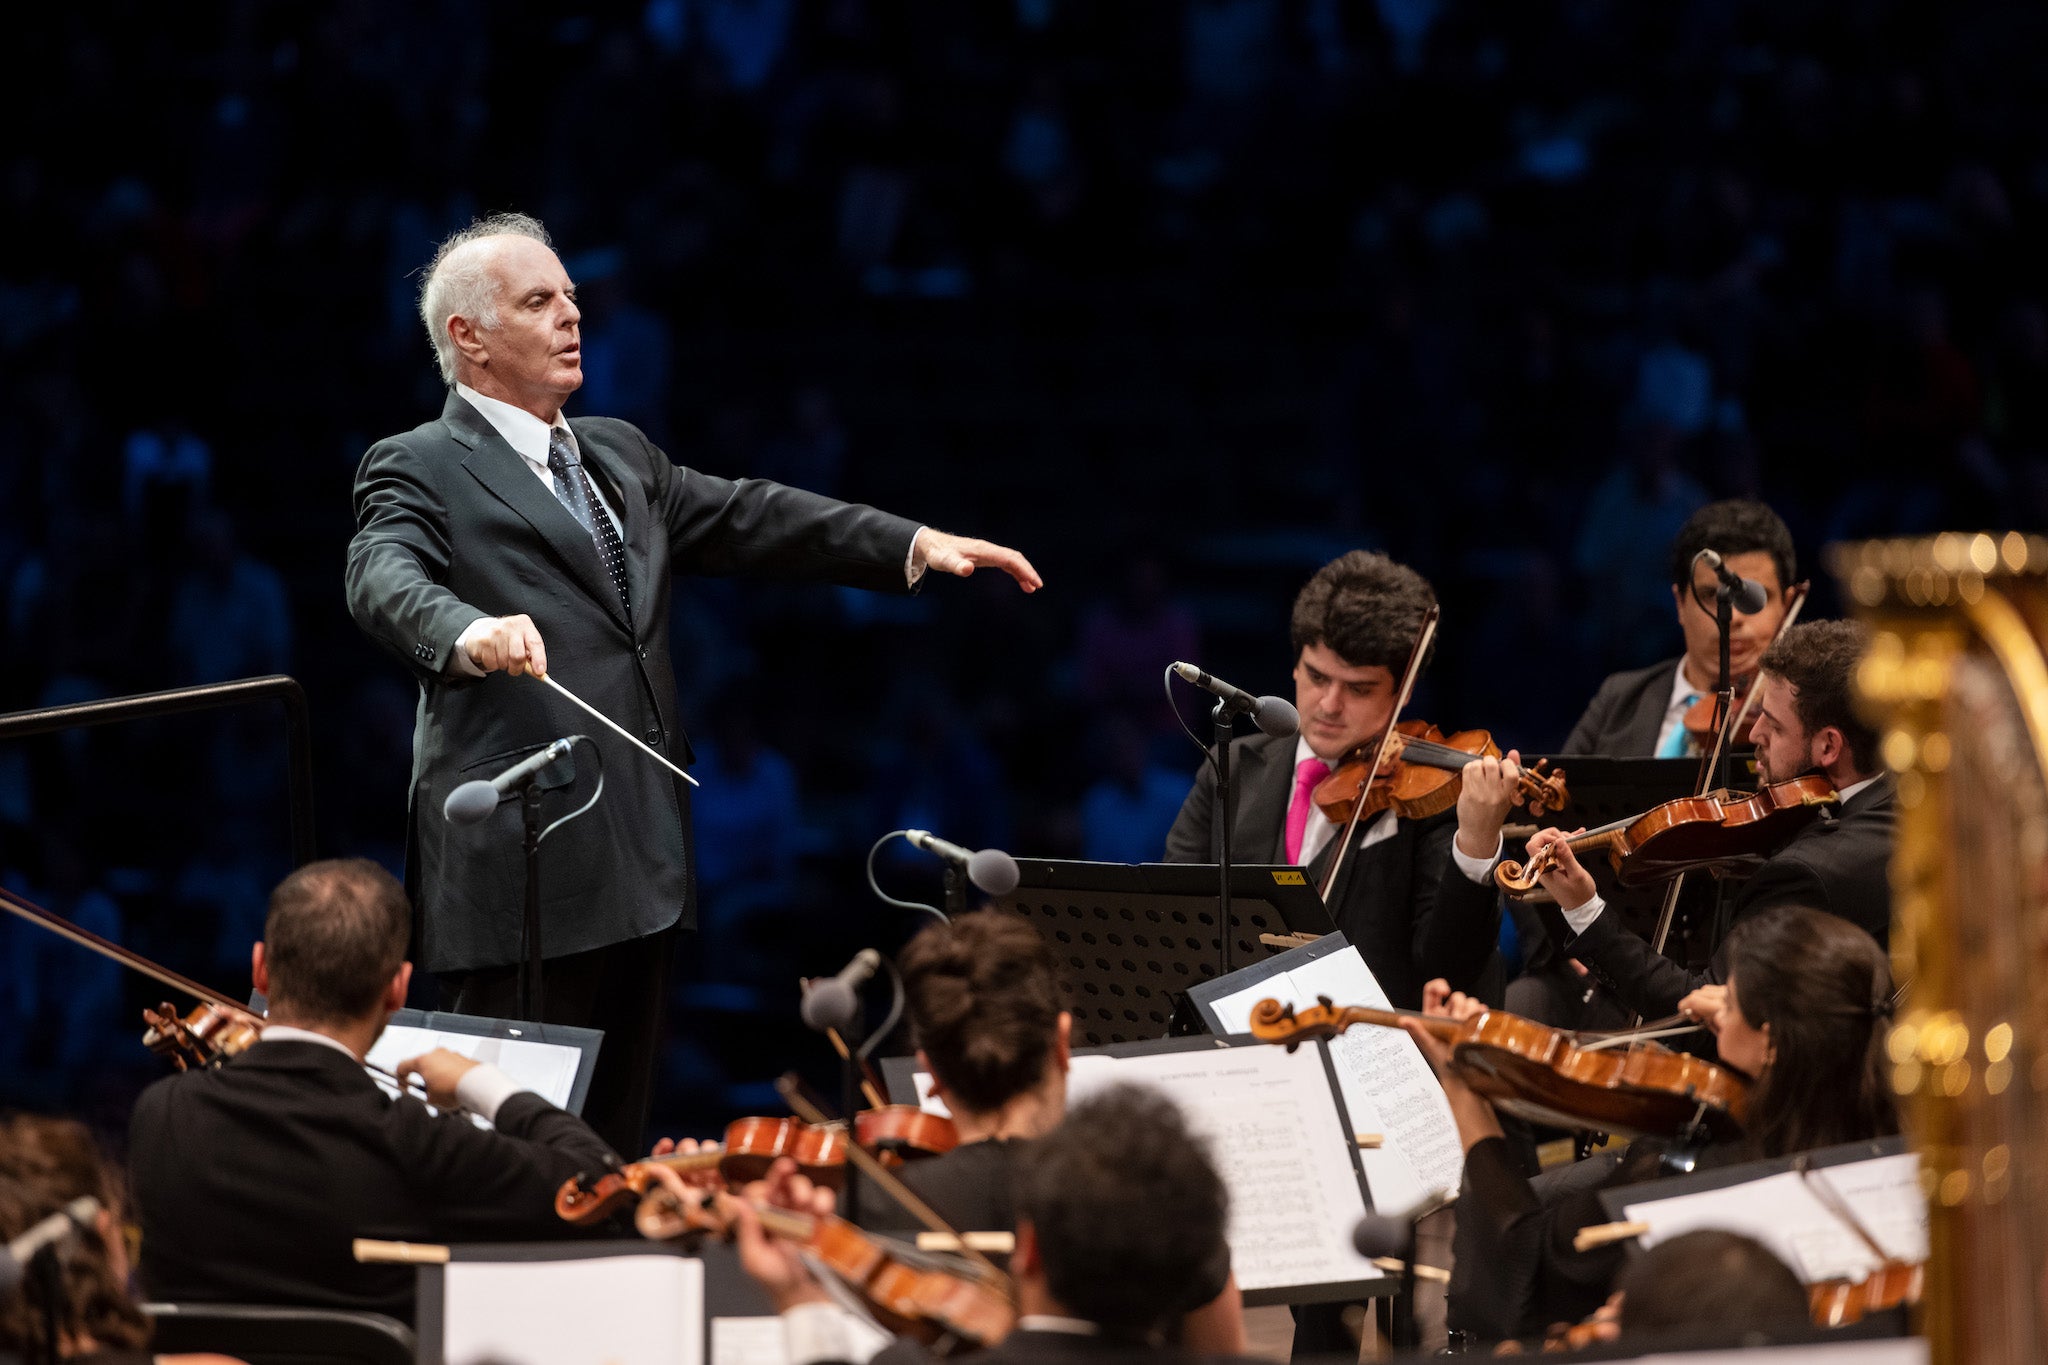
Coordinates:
(983, 996)
(1365, 608)
(45, 1163)
(1819, 659)
(1733, 526)
(1128, 1211)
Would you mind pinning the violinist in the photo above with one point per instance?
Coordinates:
(1415, 896)
(1641, 713)
(1803, 1012)
(1805, 722)
(1119, 1212)
(252, 1180)
(982, 995)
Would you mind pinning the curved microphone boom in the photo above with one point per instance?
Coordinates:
(474, 801)
(992, 870)
(1274, 716)
(65, 1222)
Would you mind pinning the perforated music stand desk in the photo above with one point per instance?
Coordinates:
(1131, 937)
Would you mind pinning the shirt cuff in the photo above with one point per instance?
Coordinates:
(913, 570)
(1476, 869)
(458, 657)
(1583, 916)
(813, 1333)
(483, 1088)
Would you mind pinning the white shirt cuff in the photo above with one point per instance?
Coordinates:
(483, 1088)
(1476, 869)
(815, 1332)
(459, 660)
(913, 570)
(1584, 915)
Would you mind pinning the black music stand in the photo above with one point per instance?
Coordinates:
(1131, 938)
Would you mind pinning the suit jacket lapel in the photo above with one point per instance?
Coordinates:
(634, 514)
(498, 467)
(1651, 702)
(1264, 779)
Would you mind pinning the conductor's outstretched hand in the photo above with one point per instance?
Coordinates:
(510, 643)
(961, 556)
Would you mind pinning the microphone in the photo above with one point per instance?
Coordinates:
(68, 1220)
(1273, 715)
(834, 1002)
(1746, 595)
(474, 801)
(993, 870)
(1386, 1234)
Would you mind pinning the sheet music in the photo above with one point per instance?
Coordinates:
(1274, 1133)
(631, 1310)
(748, 1341)
(547, 1069)
(1387, 1083)
(1783, 1213)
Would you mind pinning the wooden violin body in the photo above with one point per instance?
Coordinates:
(1837, 1303)
(1721, 830)
(939, 1303)
(1550, 1076)
(1422, 775)
(752, 1145)
(208, 1035)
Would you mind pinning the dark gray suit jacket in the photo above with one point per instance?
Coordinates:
(453, 525)
(1625, 715)
(1401, 902)
(1841, 863)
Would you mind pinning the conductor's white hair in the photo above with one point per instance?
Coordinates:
(460, 283)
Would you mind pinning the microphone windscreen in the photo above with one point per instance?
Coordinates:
(1277, 717)
(830, 1003)
(1379, 1235)
(994, 871)
(470, 802)
(1750, 597)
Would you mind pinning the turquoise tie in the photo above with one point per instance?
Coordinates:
(1678, 744)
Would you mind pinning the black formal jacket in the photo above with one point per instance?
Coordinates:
(454, 525)
(1626, 714)
(1840, 863)
(252, 1181)
(1401, 902)
(1023, 1347)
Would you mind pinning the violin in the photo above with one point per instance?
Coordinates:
(208, 1035)
(1721, 831)
(1548, 1075)
(1830, 1303)
(1421, 773)
(752, 1145)
(912, 1293)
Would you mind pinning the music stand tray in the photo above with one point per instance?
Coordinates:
(1131, 938)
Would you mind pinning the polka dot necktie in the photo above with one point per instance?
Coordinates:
(572, 486)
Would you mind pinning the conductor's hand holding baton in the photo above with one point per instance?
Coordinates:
(510, 643)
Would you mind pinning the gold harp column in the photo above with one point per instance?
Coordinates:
(1957, 679)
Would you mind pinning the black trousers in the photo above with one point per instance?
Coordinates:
(620, 988)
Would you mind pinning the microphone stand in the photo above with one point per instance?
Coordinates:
(956, 889)
(529, 932)
(1225, 717)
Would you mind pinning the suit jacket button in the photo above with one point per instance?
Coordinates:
(654, 736)
(643, 652)
(427, 654)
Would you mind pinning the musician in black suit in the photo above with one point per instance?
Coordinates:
(1120, 1231)
(252, 1180)
(1806, 722)
(1416, 897)
(1639, 713)
(502, 539)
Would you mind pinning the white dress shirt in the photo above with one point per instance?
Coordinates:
(1683, 695)
(1321, 829)
(481, 1090)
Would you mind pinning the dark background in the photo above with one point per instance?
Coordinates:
(1182, 297)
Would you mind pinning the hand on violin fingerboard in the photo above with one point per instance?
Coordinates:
(1566, 879)
(1439, 999)
(776, 1264)
(1489, 789)
(707, 1179)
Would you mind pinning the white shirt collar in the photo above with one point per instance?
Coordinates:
(522, 431)
(1846, 793)
(1047, 1322)
(285, 1033)
(1681, 690)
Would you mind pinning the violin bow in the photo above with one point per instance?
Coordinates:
(1423, 637)
(792, 1093)
(164, 976)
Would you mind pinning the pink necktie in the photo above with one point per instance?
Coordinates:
(1307, 773)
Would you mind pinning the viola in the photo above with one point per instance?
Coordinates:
(752, 1145)
(945, 1305)
(1548, 1075)
(1421, 773)
(1720, 832)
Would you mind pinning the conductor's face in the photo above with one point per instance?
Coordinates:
(533, 358)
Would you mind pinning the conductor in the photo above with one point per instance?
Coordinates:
(503, 539)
